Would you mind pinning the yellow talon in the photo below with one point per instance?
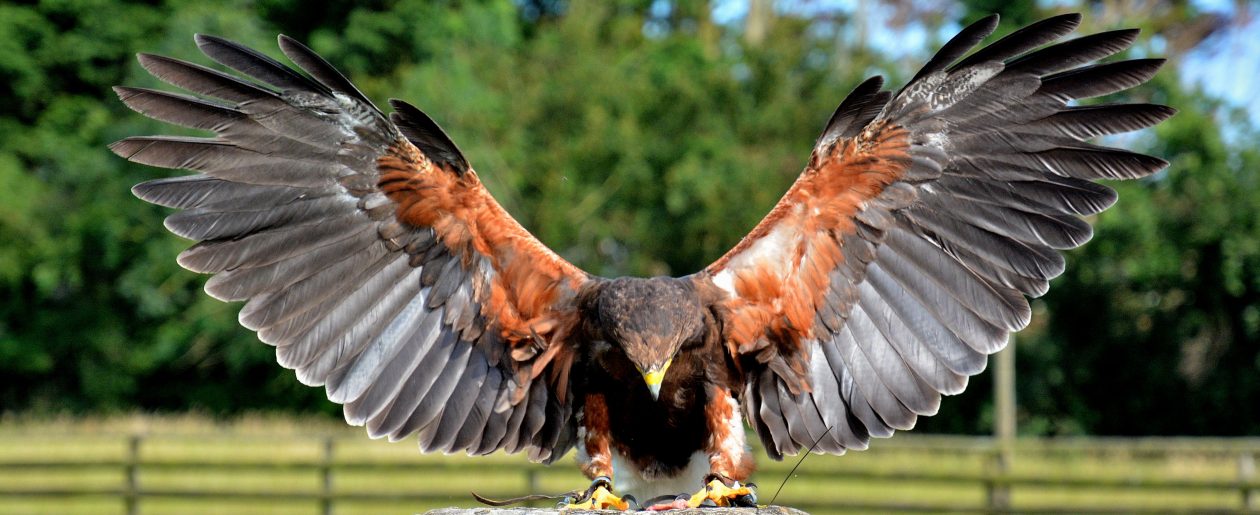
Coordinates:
(606, 500)
(719, 493)
(600, 499)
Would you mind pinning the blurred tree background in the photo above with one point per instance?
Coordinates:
(634, 137)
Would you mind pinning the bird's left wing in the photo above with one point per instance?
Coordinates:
(901, 257)
(369, 253)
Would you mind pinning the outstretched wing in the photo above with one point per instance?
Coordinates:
(369, 253)
(902, 255)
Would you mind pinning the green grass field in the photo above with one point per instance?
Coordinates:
(270, 465)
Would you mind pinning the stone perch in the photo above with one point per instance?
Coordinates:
(769, 510)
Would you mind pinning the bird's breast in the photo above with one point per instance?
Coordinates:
(630, 477)
(659, 436)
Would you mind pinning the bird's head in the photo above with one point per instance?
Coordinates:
(650, 320)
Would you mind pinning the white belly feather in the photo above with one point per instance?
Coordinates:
(643, 485)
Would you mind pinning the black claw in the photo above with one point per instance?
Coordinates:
(634, 503)
(711, 476)
(577, 497)
(603, 481)
(708, 503)
(745, 501)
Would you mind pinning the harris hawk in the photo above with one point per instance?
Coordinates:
(370, 255)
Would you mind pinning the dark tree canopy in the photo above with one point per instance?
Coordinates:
(613, 131)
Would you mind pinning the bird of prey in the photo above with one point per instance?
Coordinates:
(370, 255)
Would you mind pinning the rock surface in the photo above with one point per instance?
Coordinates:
(768, 510)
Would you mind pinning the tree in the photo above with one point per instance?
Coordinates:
(615, 131)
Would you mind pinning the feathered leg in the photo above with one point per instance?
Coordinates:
(595, 458)
(730, 462)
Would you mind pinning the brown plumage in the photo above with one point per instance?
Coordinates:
(373, 259)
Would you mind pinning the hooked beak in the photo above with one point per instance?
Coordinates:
(654, 376)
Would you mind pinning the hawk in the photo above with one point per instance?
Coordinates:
(370, 255)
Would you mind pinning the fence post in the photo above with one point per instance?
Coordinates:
(531, 484)
(325, 469)
(131, 494)
(1247, 474)
(1004, 426)
(999, 491)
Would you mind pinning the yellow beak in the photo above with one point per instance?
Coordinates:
(654, 376)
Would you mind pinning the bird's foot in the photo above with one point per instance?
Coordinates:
(598, 496)
(724, 492)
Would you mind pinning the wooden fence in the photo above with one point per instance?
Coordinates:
(918, 461)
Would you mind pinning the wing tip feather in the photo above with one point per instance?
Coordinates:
(985, 25)
(425, 133)
(126, 148)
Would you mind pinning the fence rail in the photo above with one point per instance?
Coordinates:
(995, 479)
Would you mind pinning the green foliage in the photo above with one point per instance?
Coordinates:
(96, 314)
(631, 139)
(1169, 292)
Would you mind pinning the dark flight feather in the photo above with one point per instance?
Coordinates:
(187, 191)
(1023, 40)
(426, 135)
(958, 45)
(320, 69)
(264, 247)
(205, 81)
(182, 110)
(1086, 122)
(1075, 52)
(1102, 79)
(255, 64)
(857, 110)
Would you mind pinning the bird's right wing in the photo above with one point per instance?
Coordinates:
(369, 253)
(901, 257)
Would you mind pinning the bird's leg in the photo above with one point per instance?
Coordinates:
(730, 462)
(595, 457)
